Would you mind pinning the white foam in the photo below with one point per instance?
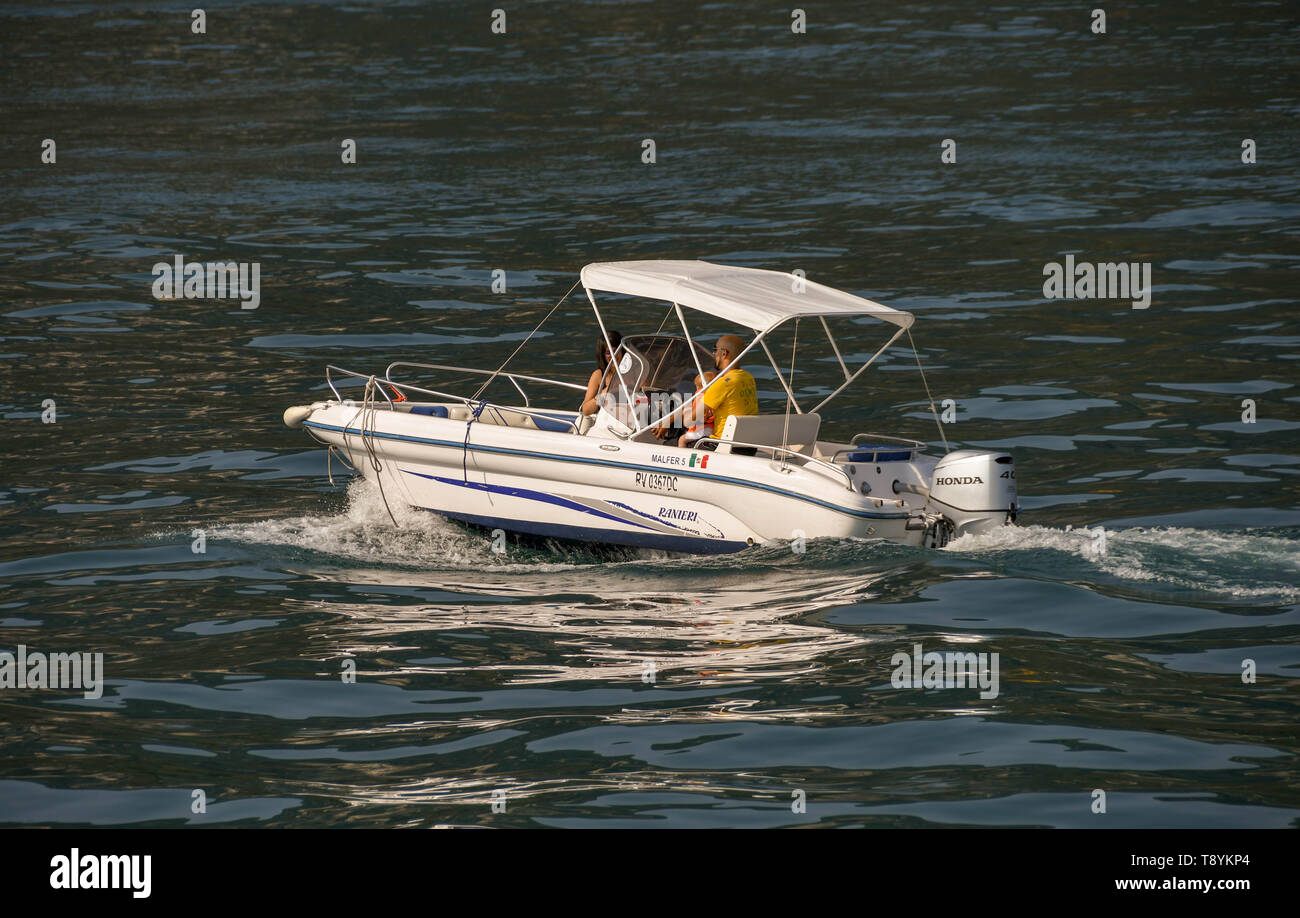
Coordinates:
(364, 532)
(1244, 565)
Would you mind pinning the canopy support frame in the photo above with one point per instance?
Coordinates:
(758, 341)
(772, 360)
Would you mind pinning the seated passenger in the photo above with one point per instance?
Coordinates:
(697, 415)
(591, 403)
(734, 393)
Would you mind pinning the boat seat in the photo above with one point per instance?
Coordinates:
(826, 449)
(770, 430)
(454, 412)
(878, 452)
(555, 422)
(435, 411)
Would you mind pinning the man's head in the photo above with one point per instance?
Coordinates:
(728, 349)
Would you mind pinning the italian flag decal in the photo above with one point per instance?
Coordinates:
(698, 461)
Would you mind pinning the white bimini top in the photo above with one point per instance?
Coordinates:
(751, 297)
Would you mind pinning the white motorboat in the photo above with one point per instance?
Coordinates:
(608, 477)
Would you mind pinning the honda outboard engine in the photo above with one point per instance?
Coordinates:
(975, 489)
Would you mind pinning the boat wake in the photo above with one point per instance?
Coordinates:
(1257, 565)
(363, 532)
(1251, 565)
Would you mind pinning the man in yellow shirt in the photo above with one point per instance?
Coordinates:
(735, 392)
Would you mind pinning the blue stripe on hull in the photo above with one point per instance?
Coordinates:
(556, 457)
(605, 536)
(525, 494)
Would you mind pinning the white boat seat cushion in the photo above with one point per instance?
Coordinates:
(770, 430)
(554, 422)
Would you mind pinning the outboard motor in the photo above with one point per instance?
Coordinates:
(975, 489)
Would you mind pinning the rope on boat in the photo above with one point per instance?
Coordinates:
(477, 396)
(483, 388)
(933, 410)
(368, 412)
(464, 448)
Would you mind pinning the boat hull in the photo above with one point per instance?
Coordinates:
(566, 486)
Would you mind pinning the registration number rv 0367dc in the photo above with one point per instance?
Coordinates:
(653, 481)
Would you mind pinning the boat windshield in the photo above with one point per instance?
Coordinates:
(656, 363)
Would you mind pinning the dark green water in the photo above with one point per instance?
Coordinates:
(524, 673)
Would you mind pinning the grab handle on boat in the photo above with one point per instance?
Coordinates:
(900, 488)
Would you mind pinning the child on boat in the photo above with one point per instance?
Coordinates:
(698, 415)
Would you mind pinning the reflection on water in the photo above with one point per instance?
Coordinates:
(618, 634)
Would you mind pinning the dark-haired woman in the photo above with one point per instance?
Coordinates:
(591, 404)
